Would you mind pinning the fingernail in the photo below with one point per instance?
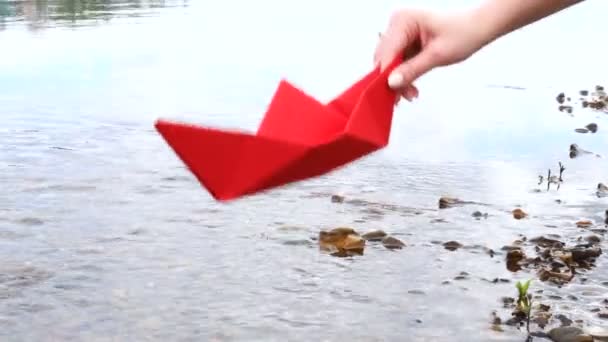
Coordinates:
(395, 80)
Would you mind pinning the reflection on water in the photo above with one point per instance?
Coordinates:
(38, 13)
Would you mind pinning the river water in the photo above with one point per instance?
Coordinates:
(105, 236)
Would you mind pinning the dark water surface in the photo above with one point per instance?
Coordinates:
(104, 236)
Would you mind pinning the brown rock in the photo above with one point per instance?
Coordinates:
(580, 254)
(519, 214)
(337, 199)
(556, 277)
(569, 334)
(593, 239)
(600, 334)
(448, 202)
(392, 243)
(546, 242)
(584, 224)
(452, 245)
(515, 255)
(542, 318)
(341, 241)
(513, 258)
(374, 235)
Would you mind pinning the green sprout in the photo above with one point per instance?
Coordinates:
(524, 301)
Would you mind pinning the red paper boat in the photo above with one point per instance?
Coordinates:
(299, 138)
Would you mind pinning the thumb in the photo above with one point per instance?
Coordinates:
(407, 72)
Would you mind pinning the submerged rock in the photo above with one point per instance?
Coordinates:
(449, 202)
(546, 242)
(565, 108)
(337, 199)
(514, 256)
(564, 321)
(602, 191)
(584, 254)
(392, 243)
(569, 334)
(592, 127)
(374, 235)
(584, 224)
(452, 245)
(598, 333)
(576, 151)
(341, 241)
(593, 239)
(478, 215)
(555, 276)
(519, 214)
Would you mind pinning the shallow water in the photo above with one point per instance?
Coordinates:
(105, 236)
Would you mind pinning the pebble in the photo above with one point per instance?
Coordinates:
(452, 245)
(584, 224)
(374, 235)
(592, 127)
(569, 334)
(593, 239)
(519, 214)
(418, 292)
(392, 243)
(598, 333)
(337, 199)
(565, 321)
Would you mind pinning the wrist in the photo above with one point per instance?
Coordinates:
(490, 21)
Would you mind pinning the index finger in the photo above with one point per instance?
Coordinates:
(393, 42)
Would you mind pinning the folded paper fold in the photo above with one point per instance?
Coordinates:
(298, 138)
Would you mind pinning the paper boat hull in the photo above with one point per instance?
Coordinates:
(299, 138)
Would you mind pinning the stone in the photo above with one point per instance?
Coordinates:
(565, 321)
(392, 243)
(598, 333)
(337, 199)
(448, 202)
(546, 242)
(542, 319)
(341, 241)
(582, 254)
(592, 127)
(452, 245)
(478, 215)
(593, 239)
(569, 334)
(519, 214)
(584, 224)
(374, 235)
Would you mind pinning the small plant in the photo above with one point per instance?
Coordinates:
(524, 302)
(553, 179)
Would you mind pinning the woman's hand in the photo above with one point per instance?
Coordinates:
(443, 39)
(446, 39)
